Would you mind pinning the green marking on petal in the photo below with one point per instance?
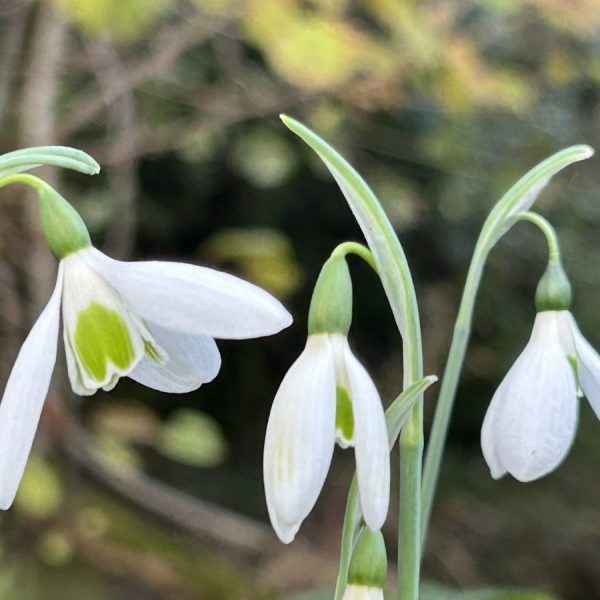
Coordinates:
(152, 352)
(102, 338)
(344, 417)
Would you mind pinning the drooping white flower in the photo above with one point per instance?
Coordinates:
(531, 421)
(151, 321)
(326, 394)
(362, 592)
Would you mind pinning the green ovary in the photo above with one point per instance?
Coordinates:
(344, 417)
(102, 337)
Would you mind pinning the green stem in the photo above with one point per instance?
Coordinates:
(548, 231)
(456, 356)
(349, 532)
(395, 418)
(360, 250)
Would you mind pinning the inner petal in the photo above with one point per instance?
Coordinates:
(104, 340)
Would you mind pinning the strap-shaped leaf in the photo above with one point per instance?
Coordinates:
(376, 227)
(56, 156)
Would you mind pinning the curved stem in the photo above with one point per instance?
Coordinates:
(547, 229)
(357, 249)
(31, 180)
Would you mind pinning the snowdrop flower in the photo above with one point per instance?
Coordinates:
(326, 395)
(368, 568)
(532, 419)
(151, 321)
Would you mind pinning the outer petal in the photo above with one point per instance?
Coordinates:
(488, 433)
(536, 414)
(300, 438)
(588, 362)
(191, 361)
(24, 395)
(370, 440)
(192, 299)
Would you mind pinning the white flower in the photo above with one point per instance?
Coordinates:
(302, 431)
(531, 421)
(362, 592)
(152, 321)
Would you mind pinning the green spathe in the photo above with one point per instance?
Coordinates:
(368, 566)
(63, 228)
(554, 290)
(331, 304)
(102, 338)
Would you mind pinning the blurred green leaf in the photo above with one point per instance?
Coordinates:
(265, 256)
(193, 438)
(437, 592)
(265, 159)
(127, 20)
(41, 490)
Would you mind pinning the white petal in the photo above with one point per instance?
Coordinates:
(85, 290)
(588, 363)
(370, 439)
(300, 438)
(24, 395)
(536, 414)
(488, 434)
(192, 299)
(191, 361)
(362, 592)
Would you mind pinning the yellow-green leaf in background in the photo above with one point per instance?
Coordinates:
(192, 438)
(126, 20)
(41, 490)
(264, 158)
(264, 255)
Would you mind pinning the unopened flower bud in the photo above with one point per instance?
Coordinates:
(368, 567)
(331, 304)
(554, 290)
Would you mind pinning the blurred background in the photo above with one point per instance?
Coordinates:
(441, 105)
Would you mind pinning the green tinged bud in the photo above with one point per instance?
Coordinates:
(368, 565)
(331, 304)
(554, 290)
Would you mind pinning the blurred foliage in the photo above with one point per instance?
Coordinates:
(441, 106)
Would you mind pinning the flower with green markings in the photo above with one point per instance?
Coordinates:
(532, 419)
(154, 322)
(327, 395)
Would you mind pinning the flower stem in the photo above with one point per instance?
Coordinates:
(349, 531)
(547, 229)
(360, 250)
(456, 356)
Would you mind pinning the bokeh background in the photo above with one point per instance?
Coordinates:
(441, 105)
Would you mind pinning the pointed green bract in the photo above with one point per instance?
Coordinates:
(56, 156)
(331, 303)
(102, 338)
(344, 417)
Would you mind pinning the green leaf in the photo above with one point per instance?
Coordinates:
(376, 227)
(192, 438)
(56, 156)
(399, 409)
(41, 492)
(521, 196)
